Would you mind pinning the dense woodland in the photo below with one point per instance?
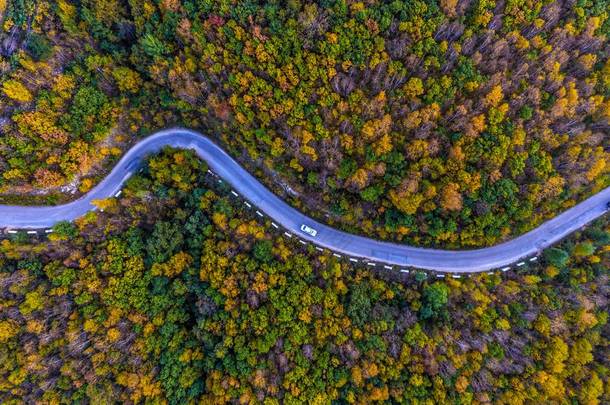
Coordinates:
(177, 294)
(455, 123)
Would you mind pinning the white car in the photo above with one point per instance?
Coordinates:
(309, 230)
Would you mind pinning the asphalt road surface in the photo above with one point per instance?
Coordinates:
(369, 251)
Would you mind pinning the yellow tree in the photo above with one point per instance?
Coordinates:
(451, 199)
(16, 91)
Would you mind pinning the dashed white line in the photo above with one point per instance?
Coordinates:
(456, 276)
(507, 268)
(533, 259)
(490, 273)
(118, 193)
(31, 232)
(302, 242)
(404, 271)
(260, 214)
(371, 264)
(287, 234)
(209, 171)
(273, 224)
(48, 231)
(12, 231)
(247, 204)
(351, 259)
(387, 267)
(320, 249)
(336, 255)
(526, 260)
(440, 276)
(234, 193)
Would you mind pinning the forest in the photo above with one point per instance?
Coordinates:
(177, 293)
(453, 123)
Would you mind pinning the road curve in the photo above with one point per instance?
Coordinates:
(342, 243)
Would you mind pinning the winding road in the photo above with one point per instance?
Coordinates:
(356, 248)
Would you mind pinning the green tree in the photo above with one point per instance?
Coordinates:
(584, 249)
(39, 47)
(557, 257)
(359, 305)
(263, 251)
(164, 241)
(434, 301)
(65, 230)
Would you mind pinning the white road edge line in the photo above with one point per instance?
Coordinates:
(592, 204)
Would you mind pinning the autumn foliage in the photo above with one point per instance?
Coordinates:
(449, 123)
(182, 295)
